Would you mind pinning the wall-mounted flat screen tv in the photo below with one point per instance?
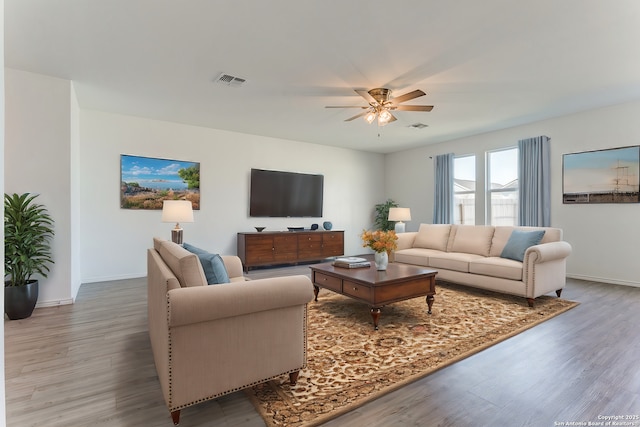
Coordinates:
(285, 194)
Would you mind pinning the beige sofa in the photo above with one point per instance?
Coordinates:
(213, 340)
(471, 255)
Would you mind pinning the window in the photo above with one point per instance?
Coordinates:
(502, 186)
(464, 190)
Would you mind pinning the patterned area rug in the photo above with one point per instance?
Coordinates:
(349, 363)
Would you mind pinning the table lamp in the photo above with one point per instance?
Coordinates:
(177, 211)
(399, 215)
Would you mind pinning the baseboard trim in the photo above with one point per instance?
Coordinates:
(112, 278)
(54, 303)
(604, 280)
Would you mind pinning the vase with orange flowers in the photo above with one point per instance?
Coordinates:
(382, 242)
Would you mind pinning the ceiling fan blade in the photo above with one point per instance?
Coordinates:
(356, 116)
(346, 106)
(414, 107)
(365, 94)
(408, 96)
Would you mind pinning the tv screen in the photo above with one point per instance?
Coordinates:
(285, 194)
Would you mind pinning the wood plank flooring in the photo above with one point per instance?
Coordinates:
(90, 364)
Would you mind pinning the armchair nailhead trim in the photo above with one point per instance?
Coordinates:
(305, 326)
(170, 353)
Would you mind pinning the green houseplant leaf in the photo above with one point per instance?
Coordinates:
(28, 230)
(382, 216)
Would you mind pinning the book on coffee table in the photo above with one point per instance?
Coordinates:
(351, 262)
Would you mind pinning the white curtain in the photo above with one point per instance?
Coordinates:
(443, 194)
(534, 182)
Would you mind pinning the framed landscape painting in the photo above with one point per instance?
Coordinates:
(603, 176)
(146, 181)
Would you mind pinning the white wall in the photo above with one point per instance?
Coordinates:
(3, 418)
(604, 237)
(38, 160)
(114, 240)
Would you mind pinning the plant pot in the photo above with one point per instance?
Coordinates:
(19, 301)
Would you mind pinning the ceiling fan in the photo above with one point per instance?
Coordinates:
(381, 104)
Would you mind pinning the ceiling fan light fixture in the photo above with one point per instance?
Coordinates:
(370, 117)
(384, 117)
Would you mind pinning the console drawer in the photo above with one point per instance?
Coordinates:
(332, 244)
(310, 246)
(328, 282)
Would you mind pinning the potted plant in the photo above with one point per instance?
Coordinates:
(382, 216)
(28, 230)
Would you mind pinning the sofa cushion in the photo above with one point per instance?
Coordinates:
(432, 236)
(212, 264)
(500, 239)
(416, 256)
(157, 243)
(453, 261)
(518, 243)
(184, 264)
(472, 239)
(551, 235)
(497, 267)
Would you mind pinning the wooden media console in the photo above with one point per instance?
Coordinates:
(288, 247)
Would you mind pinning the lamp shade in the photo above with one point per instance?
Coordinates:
(399, 214)
(177, 211)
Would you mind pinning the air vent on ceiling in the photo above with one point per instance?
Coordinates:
(229, 80)
(418, 126)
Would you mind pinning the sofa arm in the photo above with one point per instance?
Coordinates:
(547, 252)
(405, 240)
(206, 303)
(233, 265)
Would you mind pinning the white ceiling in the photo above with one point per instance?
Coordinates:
(485, 65)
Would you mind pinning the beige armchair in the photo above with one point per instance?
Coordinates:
(211, 340)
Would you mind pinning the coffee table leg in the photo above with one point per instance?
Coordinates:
(430, 299)
(316, 289)
(375, 314)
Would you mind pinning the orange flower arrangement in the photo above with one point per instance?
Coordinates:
(379, 241)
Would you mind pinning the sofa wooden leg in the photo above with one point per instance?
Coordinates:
(175, 416)
(530, 301)
(293, 378)
(559, 292)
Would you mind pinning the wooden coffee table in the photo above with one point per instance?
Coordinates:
(376, 288)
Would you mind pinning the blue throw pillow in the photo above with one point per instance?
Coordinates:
(212, 264)
(518, 243)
